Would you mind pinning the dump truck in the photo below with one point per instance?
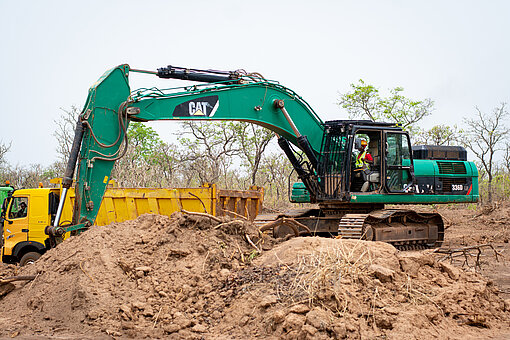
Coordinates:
(29, 211)
(351, 200)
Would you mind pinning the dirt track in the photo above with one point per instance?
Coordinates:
(188, 278)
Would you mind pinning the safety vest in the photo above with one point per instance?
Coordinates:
(360, 161)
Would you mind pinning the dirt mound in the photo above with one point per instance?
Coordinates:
(189, 277)
(326, 288)
(148, 277)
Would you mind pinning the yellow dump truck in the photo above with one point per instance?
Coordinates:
(29, 211)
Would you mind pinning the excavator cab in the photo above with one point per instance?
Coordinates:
(364, 157)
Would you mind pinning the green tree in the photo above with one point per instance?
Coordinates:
(148, 162)
(144, 142)
(364, 101)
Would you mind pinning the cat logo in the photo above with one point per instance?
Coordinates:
(199, 107)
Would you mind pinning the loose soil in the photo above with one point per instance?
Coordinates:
(189, 277)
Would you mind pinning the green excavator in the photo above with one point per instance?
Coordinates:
(351, 200)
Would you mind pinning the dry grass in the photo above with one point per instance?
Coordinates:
(325, 274)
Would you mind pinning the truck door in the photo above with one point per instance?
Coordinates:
(16, 223)
(399, 170)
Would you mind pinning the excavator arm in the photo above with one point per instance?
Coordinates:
(100, 137)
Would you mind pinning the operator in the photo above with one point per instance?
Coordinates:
(364, 159)
(363, 163)
(22, 212)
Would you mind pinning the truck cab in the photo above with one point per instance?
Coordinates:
(28, 212)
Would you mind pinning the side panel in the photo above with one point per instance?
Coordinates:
(446, 178)
(122, 204)
(39, 216)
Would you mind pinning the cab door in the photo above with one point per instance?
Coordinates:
(16, 223)
(398, 169)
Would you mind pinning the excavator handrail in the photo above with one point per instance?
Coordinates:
(155, 92)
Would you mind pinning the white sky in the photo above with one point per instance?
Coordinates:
(455, 52)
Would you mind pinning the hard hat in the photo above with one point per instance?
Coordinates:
(364, 143)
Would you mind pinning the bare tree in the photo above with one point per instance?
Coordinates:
(484, 136)
(208, 150)
(439, 135)
(253, 141)
(506, 157)
(65, 132)
(275, 174)
(4, 148)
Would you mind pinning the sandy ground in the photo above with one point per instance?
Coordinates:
(189, 277)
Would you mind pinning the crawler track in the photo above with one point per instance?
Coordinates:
(405, 229)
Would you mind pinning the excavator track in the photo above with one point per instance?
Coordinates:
(405, 229)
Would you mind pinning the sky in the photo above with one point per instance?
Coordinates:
(455, 52)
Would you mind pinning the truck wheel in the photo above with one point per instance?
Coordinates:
(29, 258)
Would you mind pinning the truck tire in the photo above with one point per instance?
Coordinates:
(29, 258)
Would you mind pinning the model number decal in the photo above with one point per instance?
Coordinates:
(457, 187)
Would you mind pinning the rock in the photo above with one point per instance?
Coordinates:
(318, 318)
(278, 316)
(383, 274)
(199, 328)
(139, 305)
(268, 300)
(384, 322)
(127, 312)
(171, 328)
(340, 331)
(300, 309)
(507, 305)
(309, 329)
(426, 260)
(294, 321)
(392, 310)
(148, 311)
(93, 314)
(224, 273)
(144, 269)
(409, 266)
(183, 322)
(453, 273)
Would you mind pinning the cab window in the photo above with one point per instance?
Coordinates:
(19, 207)
(398, 162)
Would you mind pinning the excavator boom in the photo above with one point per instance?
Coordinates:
(111, 105)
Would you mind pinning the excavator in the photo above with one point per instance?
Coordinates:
(351, 202)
